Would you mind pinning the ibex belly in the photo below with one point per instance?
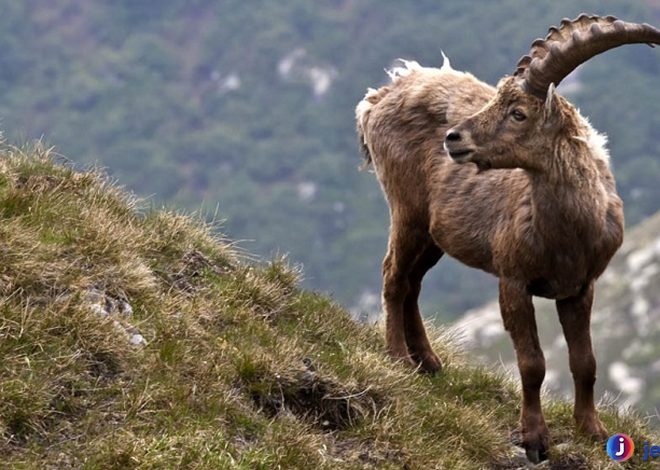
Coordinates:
(559, 274)
(551, 289)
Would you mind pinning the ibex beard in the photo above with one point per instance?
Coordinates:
(511, 180)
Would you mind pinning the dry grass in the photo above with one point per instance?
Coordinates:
(238, 367)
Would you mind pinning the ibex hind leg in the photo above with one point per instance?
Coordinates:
(419, 347)
(405, 264)
(518, 315)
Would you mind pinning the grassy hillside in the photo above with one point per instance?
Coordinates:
(134, 338)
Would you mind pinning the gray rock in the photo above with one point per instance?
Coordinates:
(104, 305)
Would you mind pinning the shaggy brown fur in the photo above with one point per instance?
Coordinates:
(537, 207)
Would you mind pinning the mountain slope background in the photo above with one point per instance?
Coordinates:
(248, 107)
(136, 338)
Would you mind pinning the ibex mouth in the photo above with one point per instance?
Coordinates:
(460, 155)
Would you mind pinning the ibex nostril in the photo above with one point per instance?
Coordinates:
(453, 136)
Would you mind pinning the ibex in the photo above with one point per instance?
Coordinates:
(511, 180)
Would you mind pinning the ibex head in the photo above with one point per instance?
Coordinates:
(523, 120)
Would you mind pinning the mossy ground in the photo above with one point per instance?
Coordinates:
(241, 368)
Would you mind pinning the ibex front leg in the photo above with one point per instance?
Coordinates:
(518, 315)
(575, 315)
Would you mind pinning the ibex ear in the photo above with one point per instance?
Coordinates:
(550, 105)
(551, 111)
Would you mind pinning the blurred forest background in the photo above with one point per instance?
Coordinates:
(248, 107)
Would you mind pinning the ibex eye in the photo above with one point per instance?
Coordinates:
(518, 115)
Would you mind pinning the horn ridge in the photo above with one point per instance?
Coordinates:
(574, 42)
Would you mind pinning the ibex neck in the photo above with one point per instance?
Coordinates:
(569, 199)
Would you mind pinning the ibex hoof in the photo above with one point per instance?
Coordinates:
(428, 362)
(536, 446)
(594, 428)
(536, 455)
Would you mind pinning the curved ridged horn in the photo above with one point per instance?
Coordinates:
(574, 42)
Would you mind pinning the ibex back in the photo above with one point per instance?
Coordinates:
(510, 180)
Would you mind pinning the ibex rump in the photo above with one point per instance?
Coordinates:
(537, 206)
